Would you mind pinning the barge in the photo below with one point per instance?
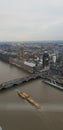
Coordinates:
(28, 98)
(23, 95)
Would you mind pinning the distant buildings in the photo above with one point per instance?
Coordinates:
(33, 54)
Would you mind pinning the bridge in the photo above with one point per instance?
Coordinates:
(19, 81)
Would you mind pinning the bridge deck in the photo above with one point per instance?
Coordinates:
(14, 82)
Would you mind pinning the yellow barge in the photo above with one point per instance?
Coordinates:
(28, 98)
(23, 95)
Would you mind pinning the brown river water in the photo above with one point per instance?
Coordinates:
(18, 114)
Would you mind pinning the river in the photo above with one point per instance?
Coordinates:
(18, 114)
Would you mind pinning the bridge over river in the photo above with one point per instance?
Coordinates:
(19, 81)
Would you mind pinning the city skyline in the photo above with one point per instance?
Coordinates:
(30, 20)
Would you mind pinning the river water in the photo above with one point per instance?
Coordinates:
(18, 114)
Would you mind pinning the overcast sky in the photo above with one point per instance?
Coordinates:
(31, 20)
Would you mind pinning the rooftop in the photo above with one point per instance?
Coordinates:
(29, 64)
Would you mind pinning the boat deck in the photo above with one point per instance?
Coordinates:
(28, 98)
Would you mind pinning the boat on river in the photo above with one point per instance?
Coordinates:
(25, 96)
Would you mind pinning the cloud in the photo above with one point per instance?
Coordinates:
(31, 19)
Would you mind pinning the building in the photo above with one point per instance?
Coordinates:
(21, 53)
(45, 59)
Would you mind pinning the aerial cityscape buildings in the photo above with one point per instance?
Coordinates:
(34, 57)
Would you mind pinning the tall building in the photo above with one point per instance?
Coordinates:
(54, 58)
(21, 53)
(45, 59)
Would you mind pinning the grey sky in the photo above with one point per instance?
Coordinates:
(31, 20)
